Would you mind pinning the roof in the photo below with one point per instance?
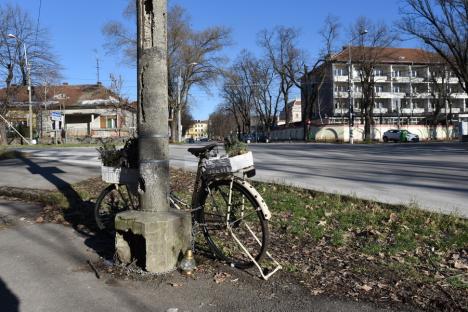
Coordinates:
(388, 55)
(88, 96)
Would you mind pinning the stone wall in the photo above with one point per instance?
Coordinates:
(340, 133)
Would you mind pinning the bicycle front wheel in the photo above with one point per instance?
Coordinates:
(233, 223)
(112, 200)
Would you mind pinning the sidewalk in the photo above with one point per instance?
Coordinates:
(43, 267)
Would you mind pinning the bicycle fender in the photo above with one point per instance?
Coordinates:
(263, 206)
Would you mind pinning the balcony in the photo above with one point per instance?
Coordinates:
(380, 78)
(380, 110)
(455, 110)
(385, 95)
(417, 79)
(459, 96)
(410, 111)
(422, 95)
(340, 78)
(401, 79)
(341, 94)
(341, 111)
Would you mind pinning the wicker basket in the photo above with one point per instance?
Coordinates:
(229, 165)
(117, 175)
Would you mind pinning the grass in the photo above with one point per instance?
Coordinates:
(6, 153)
(376, 227)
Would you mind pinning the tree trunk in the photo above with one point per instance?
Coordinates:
(3, 133)
(174, 130)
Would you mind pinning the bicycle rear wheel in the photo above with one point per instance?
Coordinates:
(112, 200)
(231, 215)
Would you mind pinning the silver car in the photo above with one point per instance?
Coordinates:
(400, 136)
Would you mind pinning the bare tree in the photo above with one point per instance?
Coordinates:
(280, 47)
(237, 96)
(372, 50)
(199, 63)
(221, 123)
(17, 22)
(193, 56)
(441, 24)
(301, 74)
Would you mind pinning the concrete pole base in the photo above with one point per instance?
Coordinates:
(156, 240)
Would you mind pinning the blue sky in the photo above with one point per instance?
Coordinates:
(75, 29)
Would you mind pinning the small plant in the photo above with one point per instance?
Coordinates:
(234, 147)
(109, 155)
(129, 157)
(126, 157)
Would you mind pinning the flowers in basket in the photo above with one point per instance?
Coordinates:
(119, 165)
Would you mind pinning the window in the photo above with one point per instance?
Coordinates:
(358, 88)
(340, 72)
(341, 88)
(378, 72)
(414, 73)
(396, 73)
(108, 122)
(379, 89)
(396, 89)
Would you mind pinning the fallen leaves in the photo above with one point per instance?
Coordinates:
(221, 277)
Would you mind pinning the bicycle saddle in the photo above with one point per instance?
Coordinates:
(197, 151)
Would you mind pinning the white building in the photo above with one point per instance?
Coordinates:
(405, 80)
(291, 113)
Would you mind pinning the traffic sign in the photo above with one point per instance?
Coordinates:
(57, 116)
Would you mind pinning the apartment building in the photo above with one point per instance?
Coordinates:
(291, 113)
(406, 84)
(198, 130)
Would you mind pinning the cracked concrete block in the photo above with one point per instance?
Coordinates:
(165, 236)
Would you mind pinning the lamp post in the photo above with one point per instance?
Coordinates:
(350, 101)
(28, 71)
(179, 108)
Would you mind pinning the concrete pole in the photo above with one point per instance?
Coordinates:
(166, 232)
(152, 103)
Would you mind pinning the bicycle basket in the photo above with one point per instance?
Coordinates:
(228, 165)
(119, 175)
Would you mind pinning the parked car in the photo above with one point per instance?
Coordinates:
(264, 138)
(400, 136)
(204, 140)
(190, 140)
(248, 138)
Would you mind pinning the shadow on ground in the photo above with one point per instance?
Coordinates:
(8, 300)
(80, 213)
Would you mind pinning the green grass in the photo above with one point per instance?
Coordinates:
(8, 153)
(393, 228)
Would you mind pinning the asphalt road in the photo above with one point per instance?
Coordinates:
(431, 176)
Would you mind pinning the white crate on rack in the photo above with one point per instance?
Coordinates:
(229, 165)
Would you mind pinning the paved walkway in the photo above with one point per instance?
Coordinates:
(43, 268)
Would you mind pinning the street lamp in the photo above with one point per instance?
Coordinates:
(350, 101)
(28, 68)
(179, 108)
